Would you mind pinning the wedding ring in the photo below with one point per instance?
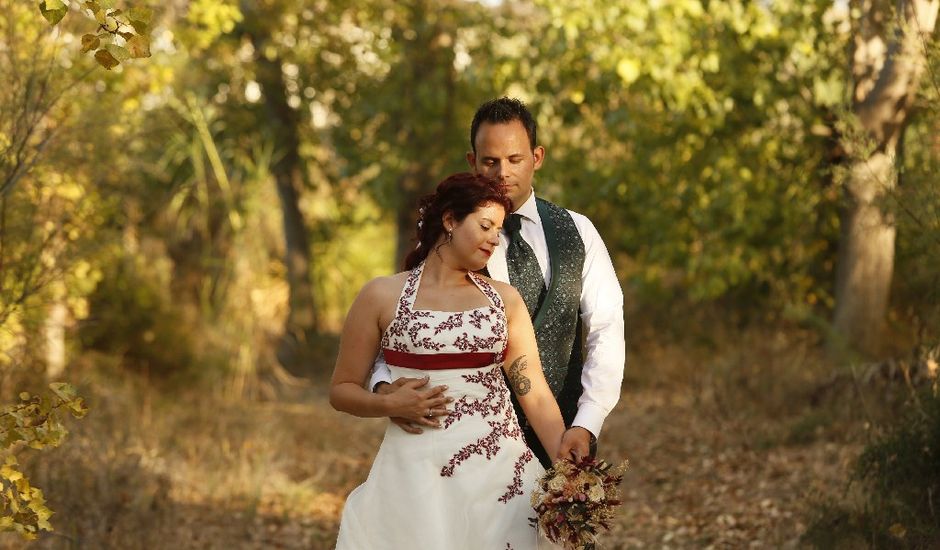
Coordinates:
(430, 413)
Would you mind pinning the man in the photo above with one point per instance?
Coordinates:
(558, 262)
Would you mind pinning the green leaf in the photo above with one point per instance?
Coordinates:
(139, 46)
(140, 26)
(119, 52)
(53, 15)
(78, 408)
(64, 390)
(140, 14)
(106, 60)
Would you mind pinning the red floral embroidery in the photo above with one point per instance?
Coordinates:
(505, 426)
(477, 330)
(452, 322)
(492, 403)
(414, 330)
(477, 317)
(515, 488)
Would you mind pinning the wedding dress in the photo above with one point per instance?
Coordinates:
(465, 485)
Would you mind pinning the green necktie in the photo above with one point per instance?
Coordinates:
(524, 271)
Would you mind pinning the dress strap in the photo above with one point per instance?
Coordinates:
(487, 289)
(409, 292)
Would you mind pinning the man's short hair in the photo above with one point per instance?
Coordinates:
(502, 111)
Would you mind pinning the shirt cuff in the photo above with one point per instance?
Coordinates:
(380, 375)
(590, 417)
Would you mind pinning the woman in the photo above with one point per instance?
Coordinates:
(466, 484)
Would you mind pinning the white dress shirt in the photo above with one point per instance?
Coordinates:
(601, 314)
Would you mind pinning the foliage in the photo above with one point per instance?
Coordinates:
(120, 35)
(899, 476)
(916, 204)
(50, 212)
(134, 317)
(699, 140)
(34, 422)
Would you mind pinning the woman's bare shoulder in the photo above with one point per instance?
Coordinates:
(506, 291)
(384, 288)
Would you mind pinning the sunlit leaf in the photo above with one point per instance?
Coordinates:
(139, 46)
(120, 53)
(55, 13)
(64, 390)
(140, 27)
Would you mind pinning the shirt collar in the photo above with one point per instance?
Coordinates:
(529, 210)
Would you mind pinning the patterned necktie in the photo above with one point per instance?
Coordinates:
(524, 271)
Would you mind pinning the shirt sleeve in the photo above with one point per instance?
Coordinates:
(380, 372)
(602, 319)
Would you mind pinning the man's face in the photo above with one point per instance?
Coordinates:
(503, 153)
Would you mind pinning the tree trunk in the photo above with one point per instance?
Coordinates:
(289, 174)
(887, 64)
(55, 340)
(866, 255)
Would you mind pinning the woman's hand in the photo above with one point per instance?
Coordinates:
(409, 405)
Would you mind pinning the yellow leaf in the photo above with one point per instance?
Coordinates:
(90, 42)
(898, 530)
(139, 46)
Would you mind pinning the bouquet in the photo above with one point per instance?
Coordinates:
(575, 499)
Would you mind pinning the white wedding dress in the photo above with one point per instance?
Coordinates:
(466, 485)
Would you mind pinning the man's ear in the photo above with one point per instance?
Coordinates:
(472, 161)
(539, 154)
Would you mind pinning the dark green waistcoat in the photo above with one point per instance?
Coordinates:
(557, 319)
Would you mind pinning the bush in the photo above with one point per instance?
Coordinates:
(898, 475)
(133, 315)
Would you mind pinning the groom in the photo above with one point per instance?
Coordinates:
(557, 261)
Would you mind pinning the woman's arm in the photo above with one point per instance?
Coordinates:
(358, 347)
(524, 370)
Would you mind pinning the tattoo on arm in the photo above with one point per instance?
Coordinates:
(520, 382)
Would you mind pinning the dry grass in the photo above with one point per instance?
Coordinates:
(726, 451)
(192, 470)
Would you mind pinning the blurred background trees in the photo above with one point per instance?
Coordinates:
(711, 142)
(212, 209)
(206, 214)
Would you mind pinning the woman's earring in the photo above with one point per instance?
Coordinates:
(450, 235)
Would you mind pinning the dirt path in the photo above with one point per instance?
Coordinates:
(696, 482)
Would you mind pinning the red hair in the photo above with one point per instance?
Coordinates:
(459, 194)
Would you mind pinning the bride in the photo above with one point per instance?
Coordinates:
(465, 484)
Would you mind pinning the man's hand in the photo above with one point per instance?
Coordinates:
(414, 403)
(575, 443)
